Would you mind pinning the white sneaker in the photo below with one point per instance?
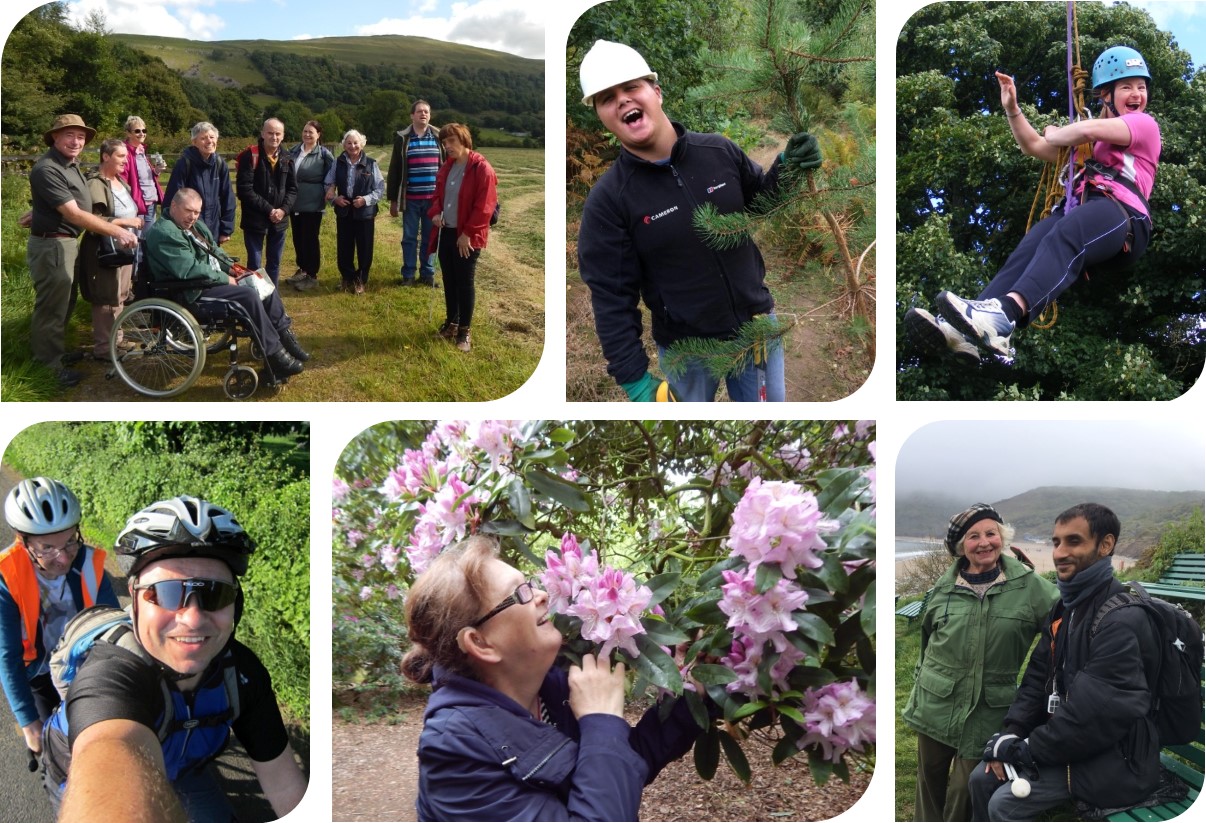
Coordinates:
(981, 320)
(937, 336)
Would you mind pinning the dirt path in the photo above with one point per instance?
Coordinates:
(375, 777)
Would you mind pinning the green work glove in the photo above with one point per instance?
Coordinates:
(648, 389)
(802, 151)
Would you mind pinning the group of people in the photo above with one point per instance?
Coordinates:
(445, 191)
(182, 559)
(1080, 726)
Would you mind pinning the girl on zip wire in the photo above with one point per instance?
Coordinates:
(1108, 222)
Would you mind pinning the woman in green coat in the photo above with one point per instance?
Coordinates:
(979, 622)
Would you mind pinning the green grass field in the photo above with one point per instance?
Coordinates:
(380, 346)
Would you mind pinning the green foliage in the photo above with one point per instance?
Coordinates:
(1184, 536)
(723, 358)
(118, 468)
(653, 498)
(1131, 334)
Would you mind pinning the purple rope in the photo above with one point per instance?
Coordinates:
(1069, 200)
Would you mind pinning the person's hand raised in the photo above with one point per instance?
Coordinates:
(596, 688)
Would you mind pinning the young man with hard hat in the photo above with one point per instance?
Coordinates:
(637, 240)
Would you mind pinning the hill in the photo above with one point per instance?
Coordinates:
(1143, 513)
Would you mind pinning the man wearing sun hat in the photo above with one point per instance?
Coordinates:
(62, 208)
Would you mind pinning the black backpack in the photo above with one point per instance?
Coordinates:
(1178, 698)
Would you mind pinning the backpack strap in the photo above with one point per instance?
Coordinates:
(230, 683)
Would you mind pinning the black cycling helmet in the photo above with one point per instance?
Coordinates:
(184, 526)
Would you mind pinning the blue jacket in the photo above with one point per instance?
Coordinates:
(211, 178)
(14, 674)
(482, 756)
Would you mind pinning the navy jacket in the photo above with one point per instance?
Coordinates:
(211, 178)
(482, 756)
(637, 241)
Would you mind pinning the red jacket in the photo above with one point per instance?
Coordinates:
(131, 178)
(479, 194)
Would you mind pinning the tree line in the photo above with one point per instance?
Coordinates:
(47, 60)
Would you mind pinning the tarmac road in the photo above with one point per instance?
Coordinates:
(25, 801)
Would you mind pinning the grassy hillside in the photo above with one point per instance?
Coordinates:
(1143, 513)
(225, 62)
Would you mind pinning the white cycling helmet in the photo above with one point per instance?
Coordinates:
(41, 506)
(184, 526)
(607, 64)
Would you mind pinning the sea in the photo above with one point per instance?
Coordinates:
(907, 547)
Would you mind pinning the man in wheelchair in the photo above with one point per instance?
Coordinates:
(182, 248)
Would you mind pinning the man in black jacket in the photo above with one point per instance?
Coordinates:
(637, 240)
(1081, 726)
(267, 186)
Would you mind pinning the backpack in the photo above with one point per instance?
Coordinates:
(254, 151)
(107, 624)
(1178, 698)
(497, 211)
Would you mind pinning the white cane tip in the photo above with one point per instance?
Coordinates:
(1021, 787)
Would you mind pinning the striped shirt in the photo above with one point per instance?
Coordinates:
(422, 163)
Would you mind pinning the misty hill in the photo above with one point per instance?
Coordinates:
(1143, 513)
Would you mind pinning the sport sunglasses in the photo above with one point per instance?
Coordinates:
(173, 595)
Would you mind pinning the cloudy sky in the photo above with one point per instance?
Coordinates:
(513, 26)
(992, 460)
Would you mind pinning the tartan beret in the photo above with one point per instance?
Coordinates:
(962, 522)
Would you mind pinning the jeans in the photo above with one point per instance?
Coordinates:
(697, 385)
(416, 231)
(255, 241)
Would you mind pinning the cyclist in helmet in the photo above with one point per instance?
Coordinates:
(183, 559)
(1111, 226)
(46, 576)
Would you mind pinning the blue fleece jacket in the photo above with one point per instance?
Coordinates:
(482, 756)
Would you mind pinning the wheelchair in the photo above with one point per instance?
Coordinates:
(167, 340)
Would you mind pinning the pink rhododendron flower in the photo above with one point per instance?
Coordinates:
(392, 592)
(795, 458)
(367, 560)
(442, 521)
(566, 572)
(763, 617)
(366, 593)
(354, 537)
(496, 438)
(339, 489)
(779, 523)
(389, 558)
(610, 608)
(839, 718)
(746, 655)
(417, 473)
(862, 428)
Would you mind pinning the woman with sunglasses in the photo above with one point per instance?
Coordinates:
(142, 172)
(507, 735)
(47, 575)
(183, 558)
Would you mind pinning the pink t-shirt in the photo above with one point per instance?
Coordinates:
(1136, 162)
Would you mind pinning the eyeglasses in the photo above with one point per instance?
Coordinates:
(523, 593)
(138, 131)
(173, 595)
(49, 553)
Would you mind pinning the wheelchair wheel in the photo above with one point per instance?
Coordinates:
(217, 340)
(256, 352)
(240, 382)
(168, 353)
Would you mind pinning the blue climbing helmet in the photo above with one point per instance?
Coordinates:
(1116, 63)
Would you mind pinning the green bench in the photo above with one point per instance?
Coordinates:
(1182, 580)
(913, 610)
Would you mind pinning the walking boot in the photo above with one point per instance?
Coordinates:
(284, 364)
(289, 341)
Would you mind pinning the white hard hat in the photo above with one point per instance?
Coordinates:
(607, 64)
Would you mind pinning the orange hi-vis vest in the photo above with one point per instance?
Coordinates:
(17, 569)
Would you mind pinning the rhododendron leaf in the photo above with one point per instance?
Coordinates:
(711, 674)
(708, 612)
(785, 749)
(707, 753)
(510, 528)
(839, 488)
(749, 708)
(866, 615)
(818, 596)
(656, 666)
(561, 436)
(810, 625)
(842, 770)
(791, 712)
(766, 577)
(821, 768)
(735, 756)
(562, 491)
(699, 712)
(711, 578)
(521, 502)
(662, 585)
(662, 633)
